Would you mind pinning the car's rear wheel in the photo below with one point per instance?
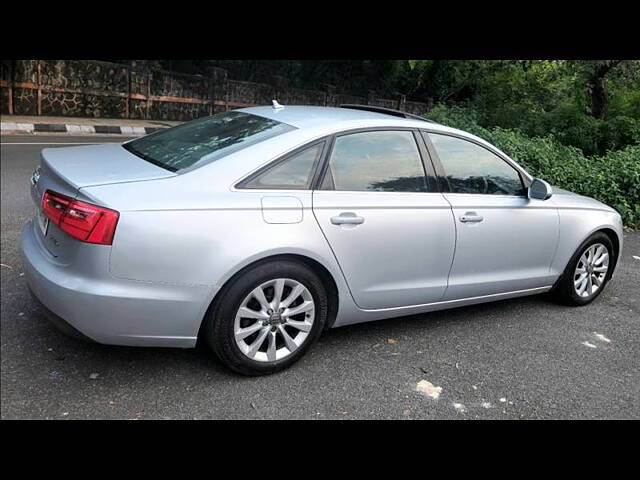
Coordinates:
(267, 317)
(588, 271)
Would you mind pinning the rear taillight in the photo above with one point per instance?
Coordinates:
(86, 222)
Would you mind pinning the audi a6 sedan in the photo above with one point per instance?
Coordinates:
(254, 230)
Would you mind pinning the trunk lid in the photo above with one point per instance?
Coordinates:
(67, 170)
(90, 165)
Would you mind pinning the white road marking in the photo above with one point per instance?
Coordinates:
(601, 337)
(589, 344)
(460, 407)
(427, 388)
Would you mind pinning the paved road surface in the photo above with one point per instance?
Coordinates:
(524, 358)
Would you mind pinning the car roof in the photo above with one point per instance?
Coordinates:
(334, 118)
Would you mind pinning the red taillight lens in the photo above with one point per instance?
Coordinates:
(86, 222)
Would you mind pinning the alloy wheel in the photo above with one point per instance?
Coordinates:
(274, 320)
(591, 270)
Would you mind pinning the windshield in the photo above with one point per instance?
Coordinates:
(205, 140)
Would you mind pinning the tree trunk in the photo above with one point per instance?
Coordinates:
(596, 85)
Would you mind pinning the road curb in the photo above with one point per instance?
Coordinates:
(12, 127)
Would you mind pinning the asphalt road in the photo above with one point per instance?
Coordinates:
(526, 358)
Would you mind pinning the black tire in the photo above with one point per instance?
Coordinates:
(564, 291)
(219, 322)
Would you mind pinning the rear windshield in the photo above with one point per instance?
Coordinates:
(205, 140)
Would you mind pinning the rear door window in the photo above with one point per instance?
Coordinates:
(376, 161)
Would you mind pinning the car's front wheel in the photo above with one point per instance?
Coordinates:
(588, 271)
(267, 317)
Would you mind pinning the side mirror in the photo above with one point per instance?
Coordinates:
(540, 190)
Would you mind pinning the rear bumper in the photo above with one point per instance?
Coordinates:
(106, 309)
(59, 322)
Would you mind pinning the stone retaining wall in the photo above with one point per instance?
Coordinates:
(89, 88)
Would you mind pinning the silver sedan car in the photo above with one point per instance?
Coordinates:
(254, 230)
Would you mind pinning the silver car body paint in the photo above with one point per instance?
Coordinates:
(181, 236)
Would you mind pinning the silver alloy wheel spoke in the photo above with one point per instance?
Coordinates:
(597, 252)
(258, 294)
(248, 313)
(271, 349)
(245, 332)
(295, 293)
(288, 341)
(303, 307)
(583, 286)
(262, 335)
(602, 258)
(302, 326)
(257, 343)
(277, 294)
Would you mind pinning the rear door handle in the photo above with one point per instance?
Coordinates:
(347, 218)
(471, 217)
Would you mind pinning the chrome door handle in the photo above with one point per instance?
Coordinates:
(471, 217)
(347, 218)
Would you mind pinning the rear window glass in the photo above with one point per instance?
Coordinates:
(205, 140)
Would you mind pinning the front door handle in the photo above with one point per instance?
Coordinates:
(471, 217)
(347, 218)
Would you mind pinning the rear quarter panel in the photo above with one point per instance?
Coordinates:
(203, 240)
(201, 246)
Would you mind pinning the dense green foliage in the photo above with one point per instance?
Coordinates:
(592, 105)
(613, 178)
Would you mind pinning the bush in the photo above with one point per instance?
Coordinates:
(613, 178)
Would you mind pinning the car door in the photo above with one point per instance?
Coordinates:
(392, 233)
(505, 241)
